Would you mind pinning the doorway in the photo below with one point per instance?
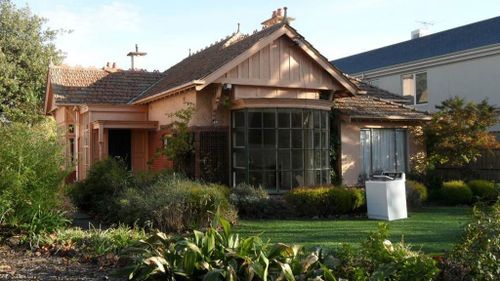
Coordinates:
(119, 145)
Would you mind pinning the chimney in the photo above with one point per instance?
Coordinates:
(417, 33)
(133, 60)
(277, 17)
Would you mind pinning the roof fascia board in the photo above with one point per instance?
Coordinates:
(431, 62)
(390, 117)
(169, 91)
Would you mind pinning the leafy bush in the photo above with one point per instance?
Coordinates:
(220, 254)
(105, 180)
(325, 201)
(255, 203)
(30, 175)
(456, 192)
(380, 259)
(476, 256)
(483, 190)
(416, 194)
(167, 201)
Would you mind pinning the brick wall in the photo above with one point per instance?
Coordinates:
(157, 162)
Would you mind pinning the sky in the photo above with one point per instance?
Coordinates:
(105, 31)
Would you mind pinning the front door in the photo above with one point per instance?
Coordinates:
(120, 145)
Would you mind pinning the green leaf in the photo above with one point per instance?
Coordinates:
(158, 261)
(286, 271)
(327, 274)
(214, 275)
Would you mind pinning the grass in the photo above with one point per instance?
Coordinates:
(433, 230)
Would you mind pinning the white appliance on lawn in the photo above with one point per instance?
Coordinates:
(386, 196)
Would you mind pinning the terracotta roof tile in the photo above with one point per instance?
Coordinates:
(377, 104)
(203, 63)
(77, 85)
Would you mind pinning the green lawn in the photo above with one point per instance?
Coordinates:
(434, 230)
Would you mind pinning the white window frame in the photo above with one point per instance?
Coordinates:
(414, 86)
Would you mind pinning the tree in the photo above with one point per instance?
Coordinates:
(26, 50)
(179, 145)
(458, 132)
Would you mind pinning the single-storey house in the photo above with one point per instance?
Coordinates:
(263, 114)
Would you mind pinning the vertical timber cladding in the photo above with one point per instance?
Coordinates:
(214, 155)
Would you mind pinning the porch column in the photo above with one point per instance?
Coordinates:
(100, 138)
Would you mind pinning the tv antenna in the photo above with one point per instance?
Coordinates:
(425, 24)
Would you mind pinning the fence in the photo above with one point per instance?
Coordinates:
(486, 167)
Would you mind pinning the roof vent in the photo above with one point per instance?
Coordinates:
(417, 33)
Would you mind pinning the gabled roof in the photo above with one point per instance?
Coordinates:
(197, 68)
(377, 104)
(475, 35)
(77, 85)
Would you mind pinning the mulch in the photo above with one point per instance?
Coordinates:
(18, 263)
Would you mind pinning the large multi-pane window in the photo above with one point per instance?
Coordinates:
(383, 150)
(279, 149)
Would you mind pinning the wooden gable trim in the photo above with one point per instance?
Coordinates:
(337, 74)
(240, 58)
(176, 90)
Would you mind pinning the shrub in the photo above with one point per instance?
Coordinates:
(255, 203)
(416, 194)
(30, 175)
(476, 256)
(104, 181)
(380, 259)
(483, 190)
(223, 255)
(325, 201)
(456, 192)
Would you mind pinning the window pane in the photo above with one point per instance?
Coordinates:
(269, 138)
(317, 159)
(296, 119)
(317, 120)
(255, 119)
(239, 176)
(269, 120)
(309, 179)
(324, 120)
(297, 138)
(269, 180)
(297, 178)
(239, 159)
(255, 160)
(408, 85)
(284, 159)
(317, 139)
(422, 94)
(365, 139)
(308, 123)
(309, 157)
(284, 119)
(268, 159)
(317, 177)
(326, 176)
(308, 139)
(255, 178)
(238, 138)
(325, 139)
(326, 159)
(283, 138)
(284, 180)
(297, 159)
(254, 137)
(238, 119)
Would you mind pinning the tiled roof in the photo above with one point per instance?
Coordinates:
(377, 104)
(77, 85)
(475, 35)
(203, 63)
(380, 93)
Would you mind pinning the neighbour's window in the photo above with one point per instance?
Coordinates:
(383, 150)
(415, 85)
(374, 82)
